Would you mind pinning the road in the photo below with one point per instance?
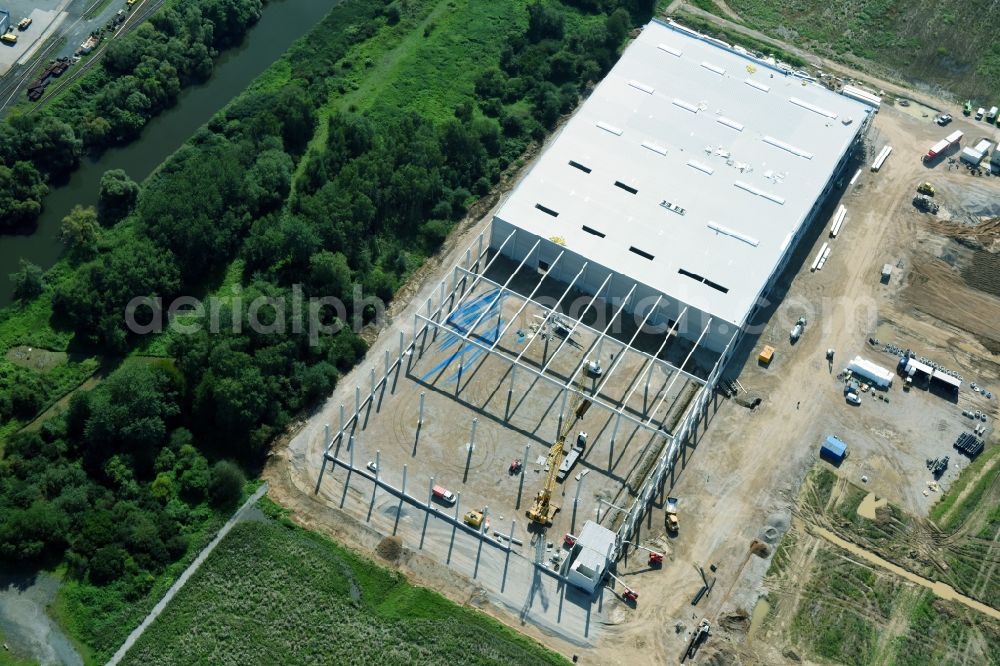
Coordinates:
(184, 577)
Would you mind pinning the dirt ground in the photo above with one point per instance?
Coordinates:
(739, 482)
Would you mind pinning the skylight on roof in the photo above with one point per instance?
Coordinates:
(617, 131)
(761, 193)
(655, 147)
(627, 188)
(729, 122)
(701, 167)
(671, 50)
(789, 147)
(547, 210)
(687, 106)
(641, 86)
(713, 68)
(812, 107)
(581, 167)
(757, 85)
(726, 231)
(641, 253)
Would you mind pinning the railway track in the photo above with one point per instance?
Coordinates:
(140, 12)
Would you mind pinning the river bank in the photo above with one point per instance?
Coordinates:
(281, 23)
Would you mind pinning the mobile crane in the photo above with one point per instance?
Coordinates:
(544, 509)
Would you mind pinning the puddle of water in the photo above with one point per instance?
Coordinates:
(869, 505)
(29, 631)
(760, 612)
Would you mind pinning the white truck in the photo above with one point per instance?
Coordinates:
(991, 115)
(443, 495)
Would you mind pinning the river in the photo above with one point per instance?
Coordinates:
(282, 22)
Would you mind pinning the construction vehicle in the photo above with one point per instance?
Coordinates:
(925, 188)
(628, 594)
(967, 109)
(544, 509)
(475, 519)
(700, 636)
(655, 557)
(672, 523)
(9, 38)
(796, 332)
(925, 204)
(443, 495)
(24, 23)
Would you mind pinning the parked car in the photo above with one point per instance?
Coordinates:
(943, 119)
(372, 467)
(980, 112)
(853, 399)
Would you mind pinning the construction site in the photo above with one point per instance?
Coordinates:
(593, 415)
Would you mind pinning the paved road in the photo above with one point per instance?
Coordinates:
(175, 588)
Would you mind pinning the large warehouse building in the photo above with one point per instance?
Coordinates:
(691, 171)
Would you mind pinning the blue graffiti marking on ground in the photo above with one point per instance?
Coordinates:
(482, 308)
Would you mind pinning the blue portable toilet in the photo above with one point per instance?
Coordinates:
(833, 450)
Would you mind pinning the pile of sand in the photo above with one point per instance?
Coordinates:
(390, 548)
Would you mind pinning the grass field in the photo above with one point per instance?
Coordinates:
(950, 46)
(275, 593)
(827, 604)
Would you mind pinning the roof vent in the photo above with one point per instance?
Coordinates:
(687, 106)
(713, 68)
(726, 231)
(789, 147)
(701, 167)
(812, 107)
(655, 147)
(641, 86)
(729, 122)
(673, 207)
(747, 187)
(759, 86)
(617, 131)
(671, 50)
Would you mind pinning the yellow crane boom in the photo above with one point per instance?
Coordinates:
(544, 508)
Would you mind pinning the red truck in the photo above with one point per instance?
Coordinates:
(443, 495)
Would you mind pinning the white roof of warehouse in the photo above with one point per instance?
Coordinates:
(744, 149)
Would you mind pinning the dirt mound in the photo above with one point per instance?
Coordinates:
(390, 548)
(738, 620)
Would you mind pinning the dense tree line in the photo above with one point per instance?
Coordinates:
(141, 74)
(114, 485)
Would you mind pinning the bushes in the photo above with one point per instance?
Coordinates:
(226, 485)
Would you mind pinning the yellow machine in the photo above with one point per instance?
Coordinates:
(544, 509)
(474, 518)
